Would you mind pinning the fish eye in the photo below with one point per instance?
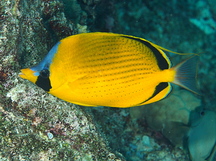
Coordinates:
(44, 73)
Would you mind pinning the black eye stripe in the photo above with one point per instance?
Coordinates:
(43, 80)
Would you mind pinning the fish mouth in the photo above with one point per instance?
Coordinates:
(22, 74)
(28, 74)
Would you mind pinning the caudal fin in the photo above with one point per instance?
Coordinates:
(186, 74)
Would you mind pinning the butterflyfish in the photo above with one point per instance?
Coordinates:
(107, 69)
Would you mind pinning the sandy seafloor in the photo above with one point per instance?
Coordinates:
(37, 126)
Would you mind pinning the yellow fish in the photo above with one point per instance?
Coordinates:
(107, 69)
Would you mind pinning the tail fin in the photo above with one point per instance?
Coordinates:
(186, 74)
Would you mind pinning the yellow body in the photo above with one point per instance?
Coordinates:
(105, 69)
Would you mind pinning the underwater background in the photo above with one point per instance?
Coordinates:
(35, 125)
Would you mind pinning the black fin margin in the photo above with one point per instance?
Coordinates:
(161, 61)
(158, 89)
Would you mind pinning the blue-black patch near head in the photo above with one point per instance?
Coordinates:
(45, 63)
(161, 61)
(42, 69)
(43, 80)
